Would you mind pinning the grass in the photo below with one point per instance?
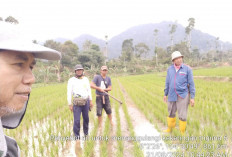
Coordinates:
(214, 72)
(210, 117)
(120, 148)
(136, 149)
(48, 112)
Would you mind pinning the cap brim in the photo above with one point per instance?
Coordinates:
(12, 38)
(38, 50)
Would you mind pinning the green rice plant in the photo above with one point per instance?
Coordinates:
(104, 143)
(211, 103)
(219, 71)
(120, 148)
(211, 115)
(89, 144)
(136, 149)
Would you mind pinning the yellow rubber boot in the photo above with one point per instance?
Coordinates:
(182, 126)
(171, 124)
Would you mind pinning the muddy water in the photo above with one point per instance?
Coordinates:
(151, 142)
(70, 148)
(128, 145)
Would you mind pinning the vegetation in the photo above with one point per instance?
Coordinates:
(210, 116)
(48, 114)
(214, 72)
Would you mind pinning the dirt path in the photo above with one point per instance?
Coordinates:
(128, 145)
(214, 78)
(97, 151)
(112, 145)
(143, 128)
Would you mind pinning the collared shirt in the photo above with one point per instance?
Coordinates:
(100, 82)
(177, 83)
(78, 87)
(8, 146)
(3, 146)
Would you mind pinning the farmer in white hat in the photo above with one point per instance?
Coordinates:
(179, 83)
(79, 89)
(17, 59)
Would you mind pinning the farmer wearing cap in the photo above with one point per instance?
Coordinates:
(79, 89)
(179, 83)
(17, 59)
(102, 84)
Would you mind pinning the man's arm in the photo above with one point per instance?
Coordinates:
(90, 94)
(191, 87)
(108, 89)
(69, 94)
(94, 86)
(191, 84)
(166, 87)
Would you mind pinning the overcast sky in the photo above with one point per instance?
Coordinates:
(49, 19)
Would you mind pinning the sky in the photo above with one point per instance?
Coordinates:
(49, 19)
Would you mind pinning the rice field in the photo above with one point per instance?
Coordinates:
(211, 116)
(48, 120)
(214, 72)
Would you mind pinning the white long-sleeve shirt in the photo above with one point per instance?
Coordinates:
(80, 87)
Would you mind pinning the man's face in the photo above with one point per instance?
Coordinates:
(104, 72)
(79, 72)
(16, 79)
(178, 61)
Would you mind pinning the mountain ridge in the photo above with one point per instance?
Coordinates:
(145, 33)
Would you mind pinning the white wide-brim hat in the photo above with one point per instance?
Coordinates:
(176, 54)
(14, 39)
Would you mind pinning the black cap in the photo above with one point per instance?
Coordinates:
(79, 67)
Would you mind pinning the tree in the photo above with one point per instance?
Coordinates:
(171, 33)
(140, 49)
(91, 59)
(87, 45)
(95, 47)
(106, 49)
(156, 45)
(196, 55)
(70, 54)
(85, 59)
(164, 57)
(188, 30)
(53, 45)
(127, 50)
(11, 19)
(56, 46)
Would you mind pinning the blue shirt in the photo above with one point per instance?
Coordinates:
(177, 83)
(103, 83)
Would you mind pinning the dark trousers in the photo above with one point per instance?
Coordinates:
(77, 110)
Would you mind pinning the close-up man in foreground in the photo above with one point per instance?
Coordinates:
(17, 59)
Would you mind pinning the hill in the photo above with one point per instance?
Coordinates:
(145, 33)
